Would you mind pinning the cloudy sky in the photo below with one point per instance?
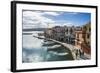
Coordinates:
(42, 19)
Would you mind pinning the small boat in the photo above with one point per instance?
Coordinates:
(47, 43)
(45, 40)
(59, 54)
(55, 46)
(53, 52)
(40, 34)
(62, 54)
(38, 37)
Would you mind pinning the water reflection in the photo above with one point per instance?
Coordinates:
(39, 50)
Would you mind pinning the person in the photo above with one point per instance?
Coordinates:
(80, 52)
(76, 53)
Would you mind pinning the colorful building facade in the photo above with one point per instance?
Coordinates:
(83, 39)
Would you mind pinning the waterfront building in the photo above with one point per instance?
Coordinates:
(79, 39)
(60, 33)
(83, 39)
(87, 36)
(48, 33)
(70, 35)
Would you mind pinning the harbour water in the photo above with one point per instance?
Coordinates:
(40, 50)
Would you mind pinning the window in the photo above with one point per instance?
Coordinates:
(89, 29)
(88, 36)
(77, 35)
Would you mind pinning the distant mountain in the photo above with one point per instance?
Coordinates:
(34, 29)
(27, 33)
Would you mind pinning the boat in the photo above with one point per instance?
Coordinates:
(40, 34)
(46, 43)
(55, 46)
(38, 37)
(59, 54)
(62, 54)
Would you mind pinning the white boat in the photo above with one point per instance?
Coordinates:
(47, 43)
(60, 54)
(55, 46)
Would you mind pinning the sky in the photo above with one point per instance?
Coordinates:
(48, 19)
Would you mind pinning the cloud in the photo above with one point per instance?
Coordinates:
(68, 24)
(36, 19)
(72, 13)
(40, 19)
(52, 13)
(62, 24)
